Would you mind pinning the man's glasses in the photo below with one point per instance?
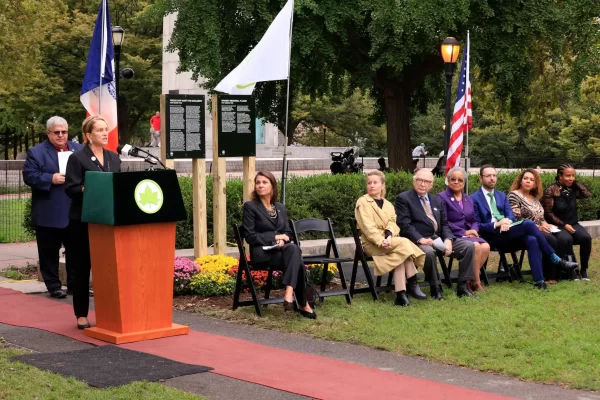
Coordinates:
(460, 180)
(423, 181)
(59, 132)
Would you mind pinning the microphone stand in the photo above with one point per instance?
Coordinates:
(151, 157)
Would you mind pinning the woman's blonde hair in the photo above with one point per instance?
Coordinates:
(88, 124)
(381, 176)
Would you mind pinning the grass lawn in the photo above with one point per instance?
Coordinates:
(550, 337)
(21, 381)
(11, 221)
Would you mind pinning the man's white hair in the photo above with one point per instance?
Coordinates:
(56, 120)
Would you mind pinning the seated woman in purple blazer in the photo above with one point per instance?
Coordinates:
(461, 218)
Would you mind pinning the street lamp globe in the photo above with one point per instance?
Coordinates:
(450, 50)
(118, 35)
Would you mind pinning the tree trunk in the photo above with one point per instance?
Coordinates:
(397, 116)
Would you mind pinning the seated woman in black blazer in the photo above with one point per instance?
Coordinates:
(92, 157)
(265, 224)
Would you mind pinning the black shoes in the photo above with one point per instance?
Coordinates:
(58, 294)
(567, 265)
(462, 291)
(83, 326)
(541, 286)
(436, 293)
(288, 305)
(413, 289)
(309, 315)
(402, 299)
(584, 275)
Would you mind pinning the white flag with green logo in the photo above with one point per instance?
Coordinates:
(268, 61)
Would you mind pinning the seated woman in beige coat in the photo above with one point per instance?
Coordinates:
(376, 219)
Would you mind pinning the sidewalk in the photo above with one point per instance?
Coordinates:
(221, 387)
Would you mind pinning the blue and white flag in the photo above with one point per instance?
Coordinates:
(98, 91)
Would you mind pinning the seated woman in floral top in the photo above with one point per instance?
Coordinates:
(560, 208)
(524, 196)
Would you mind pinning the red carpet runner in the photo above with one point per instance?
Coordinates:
(290, 371)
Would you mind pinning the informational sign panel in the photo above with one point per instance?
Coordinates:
(237, 127)
(185, 131)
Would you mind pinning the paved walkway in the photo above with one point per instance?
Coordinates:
(220, 387)
(18, 254)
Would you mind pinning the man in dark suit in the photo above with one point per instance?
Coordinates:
(495, 217)
(49, 203)
(421, 218)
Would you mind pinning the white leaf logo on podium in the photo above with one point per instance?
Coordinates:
(148, 196)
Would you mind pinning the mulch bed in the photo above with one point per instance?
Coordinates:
(184, 303)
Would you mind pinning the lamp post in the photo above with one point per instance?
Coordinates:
(450, 50)
(118, 35)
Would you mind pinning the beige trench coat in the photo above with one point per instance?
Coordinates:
(372, 222)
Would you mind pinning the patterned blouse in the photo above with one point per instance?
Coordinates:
(523, 208)
(560, 202)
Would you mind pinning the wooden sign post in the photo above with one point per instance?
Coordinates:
(219, 186)
(183, 122)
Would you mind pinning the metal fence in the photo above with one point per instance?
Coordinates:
(14, 195)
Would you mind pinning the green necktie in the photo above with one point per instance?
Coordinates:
(494, 208)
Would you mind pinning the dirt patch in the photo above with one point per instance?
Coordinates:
(17, 273)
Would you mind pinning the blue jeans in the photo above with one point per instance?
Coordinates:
(526, 235)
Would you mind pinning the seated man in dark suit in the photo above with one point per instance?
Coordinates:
(49, 203)
(421, 218)
(495, 217)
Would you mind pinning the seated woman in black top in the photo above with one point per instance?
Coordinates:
(265, 224)
(560, 209)
(92, 157)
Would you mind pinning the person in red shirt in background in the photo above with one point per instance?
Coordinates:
(155, 130)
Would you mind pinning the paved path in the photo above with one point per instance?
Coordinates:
(219, 387)
(18, 254)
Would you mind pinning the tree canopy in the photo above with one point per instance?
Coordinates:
(390, 49)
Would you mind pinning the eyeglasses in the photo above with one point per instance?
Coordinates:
(423, 181)
(460, 180)
(59, 132)
(490, 176)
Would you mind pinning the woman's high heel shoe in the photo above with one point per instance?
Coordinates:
(309, 315)
(288, 305)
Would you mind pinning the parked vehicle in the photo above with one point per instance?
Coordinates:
(344, 163)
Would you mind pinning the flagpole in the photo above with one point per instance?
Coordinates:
(467, 161)
(287, 108)
(102, 44)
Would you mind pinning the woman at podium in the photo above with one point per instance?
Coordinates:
(93, 157)
(267, 232)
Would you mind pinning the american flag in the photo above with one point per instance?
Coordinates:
(462, 120)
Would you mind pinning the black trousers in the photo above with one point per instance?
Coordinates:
(80, 257)
(289, 260)
(582, 238)
(49, 241)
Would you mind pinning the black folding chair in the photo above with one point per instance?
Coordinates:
(247, 267)
(505, 269)
(375, 287)
(324, 226)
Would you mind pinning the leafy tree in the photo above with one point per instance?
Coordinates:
(388, 48)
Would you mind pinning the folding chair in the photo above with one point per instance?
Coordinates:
(247, 266)
(323, 226)
(505, 270)
(363, 259)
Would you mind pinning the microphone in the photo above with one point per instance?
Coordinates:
(129, 150)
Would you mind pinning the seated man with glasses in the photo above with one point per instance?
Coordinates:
(498, 226)
(421, 218)
(49, 203)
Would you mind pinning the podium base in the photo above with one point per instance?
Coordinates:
(120, 338)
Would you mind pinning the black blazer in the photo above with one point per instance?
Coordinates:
(259, 229)
(414, 223)
(79, 163)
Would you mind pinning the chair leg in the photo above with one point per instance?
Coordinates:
(253, 292)
(323, 277)
(445, 272)
(517, 265)
(269, 285)
(378, 281)
(483, 274)
(353, 277)
(369, 277)
(238, 287)
(507, 267)
(344, 284)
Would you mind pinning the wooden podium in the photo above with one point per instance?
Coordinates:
(132, 217)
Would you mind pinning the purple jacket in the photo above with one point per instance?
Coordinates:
(460, 220)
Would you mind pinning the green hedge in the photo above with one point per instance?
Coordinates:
(334, 196)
